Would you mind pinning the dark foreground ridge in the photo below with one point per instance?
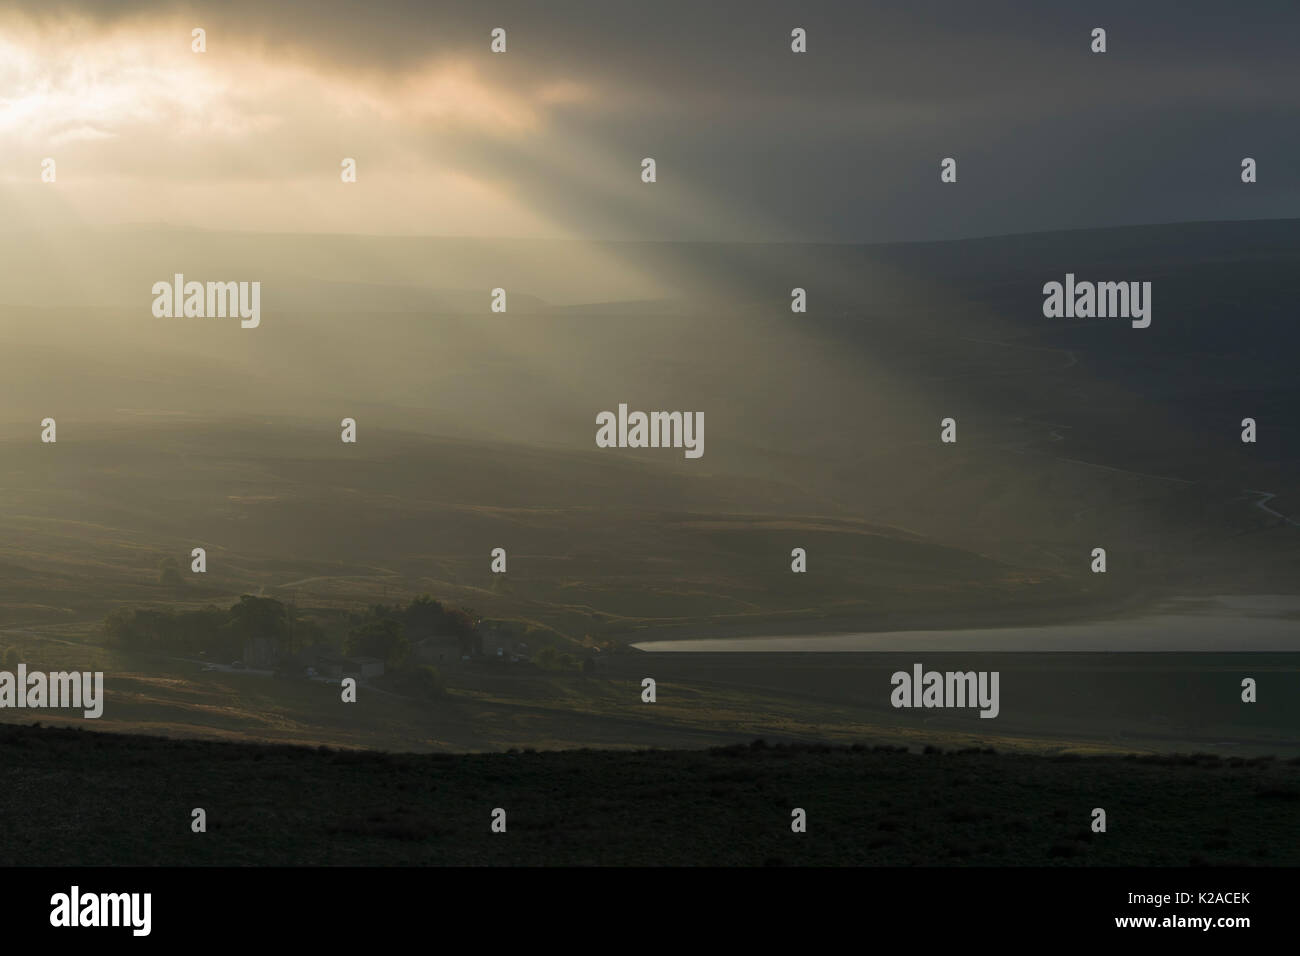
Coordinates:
(75, 797)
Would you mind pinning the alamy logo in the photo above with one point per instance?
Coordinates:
(1102, 300)
(58, 689)
(949, 689)
(653, 430)
(215, 300)
(103, 909)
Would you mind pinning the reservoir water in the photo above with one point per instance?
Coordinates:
(1220, 623)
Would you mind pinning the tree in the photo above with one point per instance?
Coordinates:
(424, 617)
(427, 681)
(383, 639)
(307, 632)
(460, 622)
(552, 659)
(258, 617)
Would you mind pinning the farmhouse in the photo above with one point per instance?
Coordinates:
(497, 640)
(261, 651)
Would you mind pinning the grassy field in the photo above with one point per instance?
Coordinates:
(596, 546)
(1052, 703)
(128, 801)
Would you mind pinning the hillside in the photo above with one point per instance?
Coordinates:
(476, 431)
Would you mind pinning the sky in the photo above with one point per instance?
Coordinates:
(752, 142)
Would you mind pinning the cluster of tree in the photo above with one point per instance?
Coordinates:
(221, 634)
(419, 681)
(386, 632)
(553, 659)
(390, 632)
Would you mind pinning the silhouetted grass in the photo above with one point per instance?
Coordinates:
(82, 797)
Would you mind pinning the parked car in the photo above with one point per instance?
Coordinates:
(238, 665)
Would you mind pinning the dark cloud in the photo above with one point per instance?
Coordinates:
(842, 143)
